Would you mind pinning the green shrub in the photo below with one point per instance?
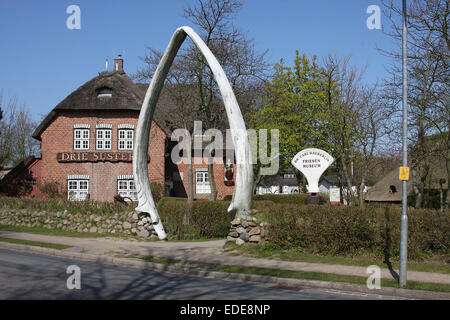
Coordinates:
(293, 198)
(203, 219)
(228, 197)
(342, 230)
(62, 204)
(158, 190)
(51, 190)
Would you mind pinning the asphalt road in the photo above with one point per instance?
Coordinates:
(32, 276)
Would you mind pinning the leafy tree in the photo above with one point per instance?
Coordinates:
(327, 107)
(293, 103)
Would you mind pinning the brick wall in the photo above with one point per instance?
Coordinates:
(59, 137)
(181, 187)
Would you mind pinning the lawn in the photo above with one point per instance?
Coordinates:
(291, 274)
(36, 243)
(55, 232)
(438, 264)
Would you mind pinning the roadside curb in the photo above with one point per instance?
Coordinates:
(297, 284)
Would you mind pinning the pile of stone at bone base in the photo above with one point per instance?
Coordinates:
(247, 229)
(142, 226)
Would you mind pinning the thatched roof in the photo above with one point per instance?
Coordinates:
(388, 189)
(126, 95)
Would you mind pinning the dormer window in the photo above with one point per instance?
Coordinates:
(104, 93)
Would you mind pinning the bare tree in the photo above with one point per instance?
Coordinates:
(16, 127)
(372, 127)
(428, 80)
(343, 101)
(245, 69)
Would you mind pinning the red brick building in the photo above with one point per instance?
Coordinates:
(23, 179)
(87, 143)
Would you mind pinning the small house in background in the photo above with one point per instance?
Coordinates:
(327, 182)
(23, 179)
(281, 184)
(387, 191)
(287, 183)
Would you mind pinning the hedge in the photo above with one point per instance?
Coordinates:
(293, 198)
(58, 204)
(325, 230)
(203, 219)
(342, 230)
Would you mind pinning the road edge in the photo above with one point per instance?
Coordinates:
(180, 269)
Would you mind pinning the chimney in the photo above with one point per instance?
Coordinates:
(118, 63)
(106, 65)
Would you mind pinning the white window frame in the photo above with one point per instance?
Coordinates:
(202, 183)
(82, 136)
(102, 141)
(78, 189)
(127, 188)
(127, 139)
(104, 93)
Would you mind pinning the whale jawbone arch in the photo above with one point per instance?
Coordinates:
(242, 196)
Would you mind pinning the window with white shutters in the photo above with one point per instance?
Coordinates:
(202, 181)
(81, 139)
(104, 139)
(127, 189)
(125, 139)
(78, 190)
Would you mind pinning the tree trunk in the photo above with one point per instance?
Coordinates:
(350, 197)
(212, 181)
(256, 181)
(190, 193)
(416, 189)
(447, 200)
(190, 173)
(190, 183)
(361, 192)
(447, 164)
(301, 181)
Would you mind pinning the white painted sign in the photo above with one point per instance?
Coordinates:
(335, 195)
(312, 163)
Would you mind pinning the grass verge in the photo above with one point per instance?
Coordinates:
(197, 240)
(68, 233)
(269, 252)
(55, 232)
(36, 243)
(292, 274)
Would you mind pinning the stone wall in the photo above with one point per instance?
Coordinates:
(122, 224)
(247, 229)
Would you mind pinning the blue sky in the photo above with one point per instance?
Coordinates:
(42, 61)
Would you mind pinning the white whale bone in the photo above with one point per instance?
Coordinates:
(242, 196)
